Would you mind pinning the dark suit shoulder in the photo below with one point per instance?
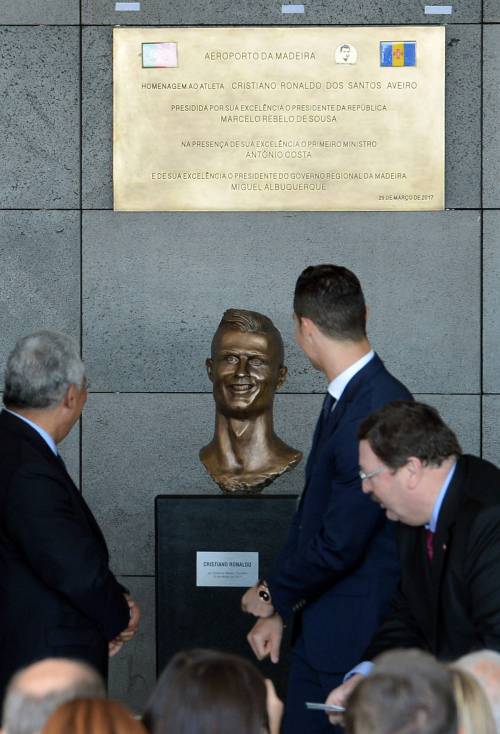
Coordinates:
(481, 480)
(373, 387)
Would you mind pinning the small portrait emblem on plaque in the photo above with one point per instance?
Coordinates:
(159, 55)
(346, 54)
(401, 53)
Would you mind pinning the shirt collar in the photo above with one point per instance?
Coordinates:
(339, 384)
(41, 432)
(432, 524)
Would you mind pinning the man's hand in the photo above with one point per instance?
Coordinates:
(253, 604)
(265, 638)
(114, 646)
(133, 625)
(340, 696)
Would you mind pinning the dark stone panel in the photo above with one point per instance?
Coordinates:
(132, 671)
(218, 12)
(40, 117)
(156, 285)
(34, 12)
(138, 446)
(491, 115)
(491, 11)
(491, 301)
(40, 267)
(463, 118)
(95, 12)
(463, 414)
(97, 118)
(187, 525)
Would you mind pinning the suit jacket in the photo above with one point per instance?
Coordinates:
(452, 605)
(339, 566)
(58, 596)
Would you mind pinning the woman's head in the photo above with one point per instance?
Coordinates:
(474, 711)
(202, 691)
(92, 716)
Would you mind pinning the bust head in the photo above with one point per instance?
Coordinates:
(246, 364)
(246, 368)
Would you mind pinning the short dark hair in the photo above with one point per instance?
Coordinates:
(204, 691)
(252, 322)
(402, 429)
(331, 296)
(408, 692)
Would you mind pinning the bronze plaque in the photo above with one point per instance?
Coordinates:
(308, 119)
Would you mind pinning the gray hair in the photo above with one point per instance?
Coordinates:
(484, 665)
(40, 369)
(26, 713)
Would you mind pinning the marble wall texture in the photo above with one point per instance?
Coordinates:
(143, 292)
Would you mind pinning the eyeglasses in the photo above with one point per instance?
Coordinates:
(368, 475)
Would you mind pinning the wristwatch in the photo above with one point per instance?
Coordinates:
(264, 592)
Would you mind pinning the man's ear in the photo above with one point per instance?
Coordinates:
(414, 467)
(307, 327)
(283, 372)
(70, 396)
(209, 364)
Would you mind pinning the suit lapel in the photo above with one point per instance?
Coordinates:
(444, 532)
(324, 433)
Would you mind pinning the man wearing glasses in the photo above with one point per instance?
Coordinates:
(338, 568)
(448, 508)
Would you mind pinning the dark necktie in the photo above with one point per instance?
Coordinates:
(327, 408)
(328, 404)
(429, 544)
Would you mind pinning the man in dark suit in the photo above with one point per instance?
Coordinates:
(58, 596)
(448, 507)
(339, 566)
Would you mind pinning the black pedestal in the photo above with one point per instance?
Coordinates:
(190, 616)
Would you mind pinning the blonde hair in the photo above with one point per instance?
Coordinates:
(92, 716)
(474, 711)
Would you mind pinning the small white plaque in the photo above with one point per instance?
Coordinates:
(438, 9)
(227, 568)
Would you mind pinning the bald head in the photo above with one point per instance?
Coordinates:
(485, 667)
(36, 691)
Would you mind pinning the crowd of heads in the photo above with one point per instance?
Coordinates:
(199, 692)
(203, 691)
(410, 692)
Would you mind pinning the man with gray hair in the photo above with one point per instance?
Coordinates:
(35, 692)
(58, 595)
(485, 667)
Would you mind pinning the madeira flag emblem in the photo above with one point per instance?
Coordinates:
(398, 53)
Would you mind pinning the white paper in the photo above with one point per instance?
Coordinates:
(127, 6)
(292, 8)
(438, 9)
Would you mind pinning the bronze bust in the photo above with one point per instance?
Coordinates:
(246, 368)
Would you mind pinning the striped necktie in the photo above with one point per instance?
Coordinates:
(429, 544)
